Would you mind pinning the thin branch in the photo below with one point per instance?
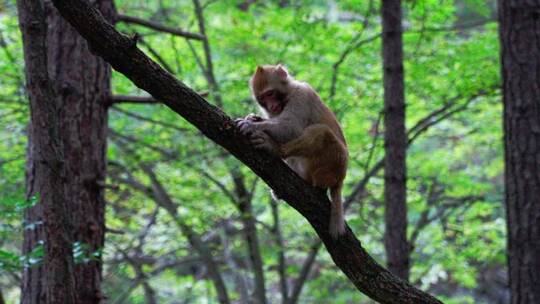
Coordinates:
(158, 27)
(162, 198)
(250, 232)
(446, 111)
(304, 272)
(150, 120)
(345, 53)
(198, 59)
(116, 99)
(157, 56)
(130, 139)
(343, 56)
(455, 27)
(282, 261)
(209, 71)
(220, 185)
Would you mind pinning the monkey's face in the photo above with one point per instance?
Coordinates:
(272, 101)
(269, 86)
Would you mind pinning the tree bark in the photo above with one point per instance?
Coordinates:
(347, 252)
(395, 142)
(80, 82)
(55, 277)
(520, 54)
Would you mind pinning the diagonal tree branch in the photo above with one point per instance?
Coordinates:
(158, 27)
(347, 252)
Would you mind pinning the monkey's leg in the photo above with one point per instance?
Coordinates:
(314, 139)
(263, 141)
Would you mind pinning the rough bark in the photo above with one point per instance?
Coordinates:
(80, 82)
(395, 142)
(520, 54)
(347, 252)
(47, 171)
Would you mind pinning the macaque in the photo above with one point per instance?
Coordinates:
(300, 129)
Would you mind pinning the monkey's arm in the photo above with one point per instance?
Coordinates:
(281, 130)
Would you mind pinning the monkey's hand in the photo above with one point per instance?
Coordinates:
(263, 141)
(253, 117)
(246, 126)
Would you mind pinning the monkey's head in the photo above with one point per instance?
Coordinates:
(270, 85)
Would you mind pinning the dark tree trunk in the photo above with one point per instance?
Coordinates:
(46, 175)
(395, 142)
(80, 82)
(520, 54)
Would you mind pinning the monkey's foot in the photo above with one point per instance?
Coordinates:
(253, 117)
(261, 140)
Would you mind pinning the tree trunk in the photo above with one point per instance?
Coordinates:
(395, 142)
(47, 171)
(80, 82)
(520, 54)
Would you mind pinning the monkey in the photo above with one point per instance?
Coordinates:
(302, 130)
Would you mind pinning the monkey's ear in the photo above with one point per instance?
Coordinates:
(259, 70)
(282, 71)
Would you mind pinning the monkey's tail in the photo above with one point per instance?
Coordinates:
(337, 221)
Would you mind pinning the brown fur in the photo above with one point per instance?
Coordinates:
(308, 135)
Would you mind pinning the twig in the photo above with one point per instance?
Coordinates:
(158, 27)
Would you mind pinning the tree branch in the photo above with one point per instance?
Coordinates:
(347, 252)
(150, 120)
(116, 99)
(304, 272)
(163, 199)
(282, 261)
(248, 219)
(158, 27)
(209, 68)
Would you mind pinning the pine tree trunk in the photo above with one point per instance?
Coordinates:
(80, 82)
(395, 142)
(520, 54)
